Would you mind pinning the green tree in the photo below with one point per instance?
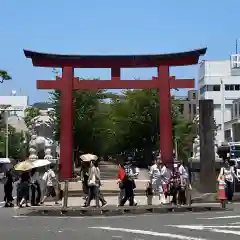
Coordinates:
(16, 144)
(30, 113)
(184, 134)
(136, 123)
(4, 76)
(90, 123)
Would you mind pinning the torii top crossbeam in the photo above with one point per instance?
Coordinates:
(109, 61)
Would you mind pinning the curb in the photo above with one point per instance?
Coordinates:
(114, 211)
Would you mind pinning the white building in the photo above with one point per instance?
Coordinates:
(19, 103)
(220, 81)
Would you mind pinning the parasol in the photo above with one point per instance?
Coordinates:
(88, 157)
(24, 166)
(41, 163)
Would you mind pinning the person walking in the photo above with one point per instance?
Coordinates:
(229, 175)
(8, 188)
(24, 189)
(184, 182)
(94, 183)
(165, 175)
(128, 185)
(51, 182)
(155, 177)
(120, 176)
(35, 188)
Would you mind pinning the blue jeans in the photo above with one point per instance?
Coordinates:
(229, 189)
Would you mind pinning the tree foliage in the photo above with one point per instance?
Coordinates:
(16, 144)
(4, 76)
(30, 113)
(128, 123)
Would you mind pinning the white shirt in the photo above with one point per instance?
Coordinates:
(49, 177)
(228, 173)
(155, 173)
(165, 174)
(183, 171)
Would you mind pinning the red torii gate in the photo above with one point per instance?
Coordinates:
(67, 83)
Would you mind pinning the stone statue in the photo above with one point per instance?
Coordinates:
(42, 131)
(196, 147)
(48, 154)
(33, 156)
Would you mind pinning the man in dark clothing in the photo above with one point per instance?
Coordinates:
(128, 185)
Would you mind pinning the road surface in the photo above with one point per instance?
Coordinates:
(183, 226)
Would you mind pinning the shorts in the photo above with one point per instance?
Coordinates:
(50, 191)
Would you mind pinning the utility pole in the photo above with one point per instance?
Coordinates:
(223, 112)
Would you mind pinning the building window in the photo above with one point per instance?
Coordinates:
(227, 135)
(190, 108)
(194, 109)
(229, 87)
(238, 109)
(237, 87)
(235, 110)
(194, 95)
(181, 108)
(215, 88)
(235, 61)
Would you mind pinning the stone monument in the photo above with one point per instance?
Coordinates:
(196, 142)
(42, 144)
(207, 147)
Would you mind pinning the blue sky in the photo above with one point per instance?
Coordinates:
(110, 27)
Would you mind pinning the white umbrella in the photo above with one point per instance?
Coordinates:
(88, 157)
(5, 160)
(41, 163)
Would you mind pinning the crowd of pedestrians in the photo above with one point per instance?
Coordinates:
(169, 184)
(29, 185)
(166, 183)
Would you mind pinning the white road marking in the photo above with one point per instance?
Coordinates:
(225, 231)
(201, 227)
(217, 229)
(150, 233)
(222, 217)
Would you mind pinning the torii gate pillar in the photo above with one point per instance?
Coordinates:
(66, 122)
(165, 115)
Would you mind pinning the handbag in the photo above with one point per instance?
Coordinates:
(92, 181)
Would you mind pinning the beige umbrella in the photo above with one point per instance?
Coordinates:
(24, 166)
(41, 163)
(88, 157)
